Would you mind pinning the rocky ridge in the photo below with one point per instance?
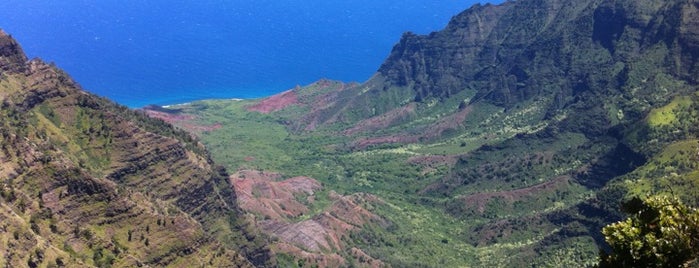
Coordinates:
(86, 182)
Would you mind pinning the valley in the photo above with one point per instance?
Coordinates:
(512, 135)
(508, 139)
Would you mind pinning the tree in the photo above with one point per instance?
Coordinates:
(660, 232)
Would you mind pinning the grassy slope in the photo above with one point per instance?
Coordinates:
(432, 225)
(503, 184)
(674, 145)
(424, 232)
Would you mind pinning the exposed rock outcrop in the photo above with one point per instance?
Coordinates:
(12, 58)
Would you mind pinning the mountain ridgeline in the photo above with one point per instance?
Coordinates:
(509, 138)
(88, 183)
(527, 49)
(566, 53)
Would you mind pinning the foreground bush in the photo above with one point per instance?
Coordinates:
(660, 232)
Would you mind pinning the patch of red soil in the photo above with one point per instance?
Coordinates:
(480, 200)
(453, 121)
(321, 96)
(167, 117)
(194, 128)
(275, 103)
(325, 232)
(309, 235)
(258, 192)
(320, 103)
(280, 203)
(350, 211)
(329, 259)
(383, 120)
(180, 120)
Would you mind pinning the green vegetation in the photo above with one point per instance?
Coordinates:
(470, 176)
(428, 225)
(660, 232)
(667, 115)
(509, 144)
(79, 175)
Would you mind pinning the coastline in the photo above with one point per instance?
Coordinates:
(190, 102)
(175, 97)
(243, 95)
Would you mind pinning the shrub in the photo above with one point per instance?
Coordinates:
(660, 232)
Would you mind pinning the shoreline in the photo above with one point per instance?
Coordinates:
(168, 106)
(190, 102)
(240, 97)
(170, 101)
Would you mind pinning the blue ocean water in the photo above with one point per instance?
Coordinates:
(164, 52)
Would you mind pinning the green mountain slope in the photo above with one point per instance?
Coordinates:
(506, 139)
(85, 182)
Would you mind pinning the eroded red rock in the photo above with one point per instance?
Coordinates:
(282, 209)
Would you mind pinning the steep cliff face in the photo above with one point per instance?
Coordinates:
(526, 49)
(563, 53)
(86, 182)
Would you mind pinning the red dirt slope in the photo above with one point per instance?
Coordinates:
(280, 204)
(275, 103)
(184, 121)
(382, 121)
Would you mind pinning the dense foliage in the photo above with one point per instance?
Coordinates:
(660, 232)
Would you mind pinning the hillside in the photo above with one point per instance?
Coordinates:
(506, 139)
(88, 183)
